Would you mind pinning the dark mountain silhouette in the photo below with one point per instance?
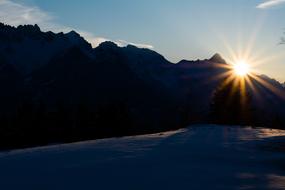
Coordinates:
(217, 58)
(57, 88)
(28, 48)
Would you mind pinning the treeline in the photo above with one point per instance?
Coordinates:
(36, 124)
(234, 104)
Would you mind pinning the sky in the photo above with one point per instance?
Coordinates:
(250, 30)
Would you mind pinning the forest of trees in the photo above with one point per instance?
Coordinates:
(36, 124)
(232, 104)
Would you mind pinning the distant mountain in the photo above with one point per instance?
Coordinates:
(28, 48)
(56, 87)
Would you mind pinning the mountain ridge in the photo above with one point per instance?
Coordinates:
(76, 92)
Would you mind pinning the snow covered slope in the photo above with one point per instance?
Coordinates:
(200, 157)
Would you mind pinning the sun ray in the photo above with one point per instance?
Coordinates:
(243, 91)
(228, 48)
(228, 80)
(272, 88)
(221, 76)
(251, 42)
(253, 88)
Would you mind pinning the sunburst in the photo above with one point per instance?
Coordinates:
(241, 68)
(241, 72)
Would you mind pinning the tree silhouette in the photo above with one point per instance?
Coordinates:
(231, 104)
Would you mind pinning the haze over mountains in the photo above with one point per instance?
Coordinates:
(56, 87)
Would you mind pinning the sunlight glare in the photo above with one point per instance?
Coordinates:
(241, 68)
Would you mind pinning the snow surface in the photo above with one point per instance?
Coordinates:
(200, 157)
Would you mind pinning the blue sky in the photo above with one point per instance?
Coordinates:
(178, 29)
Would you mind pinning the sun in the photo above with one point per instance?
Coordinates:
(241, 68)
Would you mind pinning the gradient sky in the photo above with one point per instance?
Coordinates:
(178, 29)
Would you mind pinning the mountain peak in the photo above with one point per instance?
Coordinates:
(76, 39)
(72, 33)
(131, 46)
(29, 28)
(217, 58)
(108, 44)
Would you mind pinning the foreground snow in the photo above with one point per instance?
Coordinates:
(200, 157)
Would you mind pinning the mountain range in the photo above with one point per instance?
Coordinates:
(55, 87)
